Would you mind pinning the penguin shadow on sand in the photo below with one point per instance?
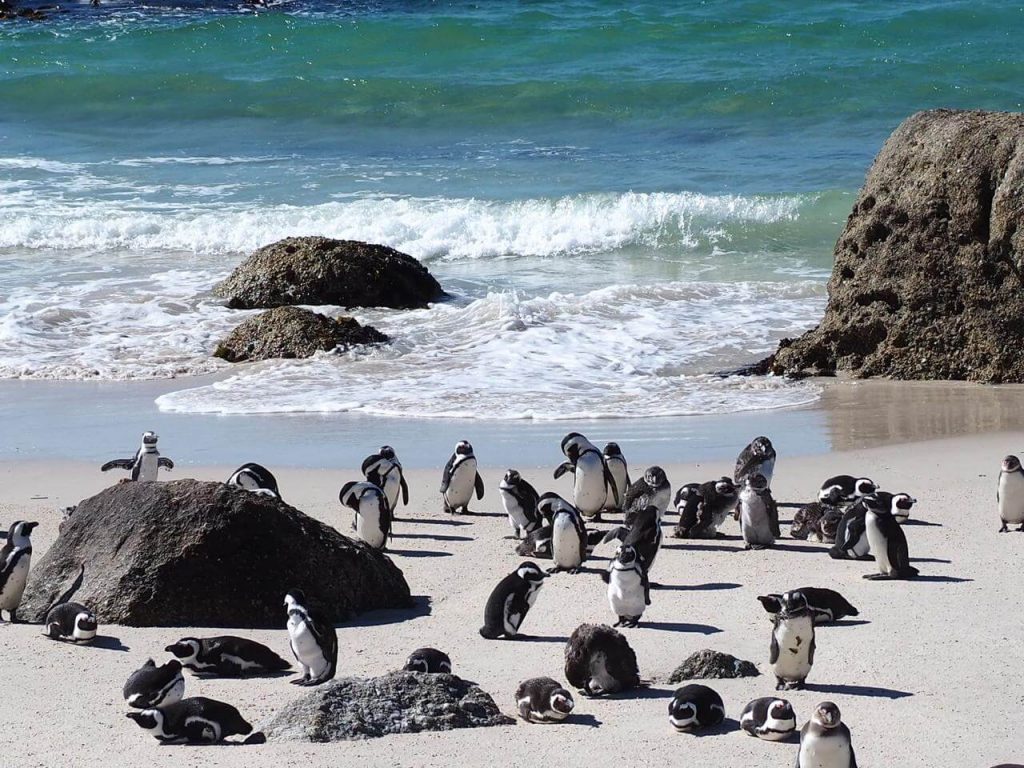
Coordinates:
(713, 586)
(727, 726)
(858, 690)
(417, 552)
(563, 639)
(924, 523)
(679, 626)
(709, 547)
(421, 606)
(432, 536)
(586, 720)
(105, 643)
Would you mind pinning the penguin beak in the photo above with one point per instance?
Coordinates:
(29, 527)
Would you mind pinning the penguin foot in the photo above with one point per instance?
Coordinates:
(14, 618)
(1004, 529)
(1021, 529)
(780, 684)
(794, 685)
(299, 681)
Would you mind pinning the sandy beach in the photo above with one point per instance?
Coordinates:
(927, 675)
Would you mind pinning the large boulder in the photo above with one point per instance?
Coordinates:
(399, 702)
(290, 332)
(191, 553)
(712, 665)
(320, 270)
(927, 282)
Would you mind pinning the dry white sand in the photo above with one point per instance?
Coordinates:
(933, 678)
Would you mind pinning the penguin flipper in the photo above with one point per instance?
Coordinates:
(646, 582)
(479, 484)
(164, 463)
(609, 482)
(810, 649)
(446, 477)
(118, 464)
(405, 489)
(561, 469)
(773, 516)
(853, 755)
(773, 649)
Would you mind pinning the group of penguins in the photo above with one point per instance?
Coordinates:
(851, 513)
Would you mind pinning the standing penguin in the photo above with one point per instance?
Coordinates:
(1010, 494)
(887, 540)
(688, 505)
(313, 640)
(651, 490)
(543, 700)
(759, 514)
(519, 499)
(15, 558)
(152, 686)
(373, 513)
(851, 539)
(146, 463)
(769, 718)
(792, 645)
(255, 478)
(619, 471)
(593, 480)
(511, 600)
(645, 535)
(385, 471)
(825, 740)
(599, 661)
(568, 533)
(460, 478)
(629, 591)
(718, 499)
(758, 458)
(695, 707)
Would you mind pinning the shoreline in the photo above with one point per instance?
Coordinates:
(896, 662)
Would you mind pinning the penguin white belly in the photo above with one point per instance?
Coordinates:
(828, 752)
(149, 464)
(794, 639)
(626, 592)
(1011, 497)
(368, 524)
(661, 501)
(600, 679)
(590, 490)
(14, 587)
(878, 543)
(516, 515)
(460, 488)
(306, 648)
(565, 543)
(768, 469)
(618, 473)
(754, 524)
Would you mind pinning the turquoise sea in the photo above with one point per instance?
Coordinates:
(623, 197)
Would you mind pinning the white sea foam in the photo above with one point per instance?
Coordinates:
(429, 228)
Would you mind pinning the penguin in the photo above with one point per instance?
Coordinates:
(817, 521)
(257, 479)
(511, 600)
(825, 605)
(151, 686)
(543, 700)
(718, 499)
(428, 660)
(372, 521)
(825, 740)
(15, 558)
(313, 640)
(759, 514)
(146, 463)
(769, 718)
(645, 535)
(536, 544)
(688, 504)
(848, 487)
(619, 471)
(226, 656)
(886, 538)
(651, 490)
(1010, 494)
(568, 533)
(758, 458)
(695, 707)
(192, 721)
(460, 478)
(792, 643)
(599, 661)
(519, 499)
(629, 591)
(384, 470)
(70, 620)
(851, 540)
(593, 480)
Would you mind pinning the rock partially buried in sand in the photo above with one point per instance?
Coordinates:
(191, 553)
(291, 332)
(320, 270)
(712, 665)
(399, 702)
(928, 281)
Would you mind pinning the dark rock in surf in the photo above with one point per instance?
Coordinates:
(320, 270)
(399, 702)
(928, 281)
(712, 665)
(204, 554)
(291, 332)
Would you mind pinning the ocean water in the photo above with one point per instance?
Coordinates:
(623, 198)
